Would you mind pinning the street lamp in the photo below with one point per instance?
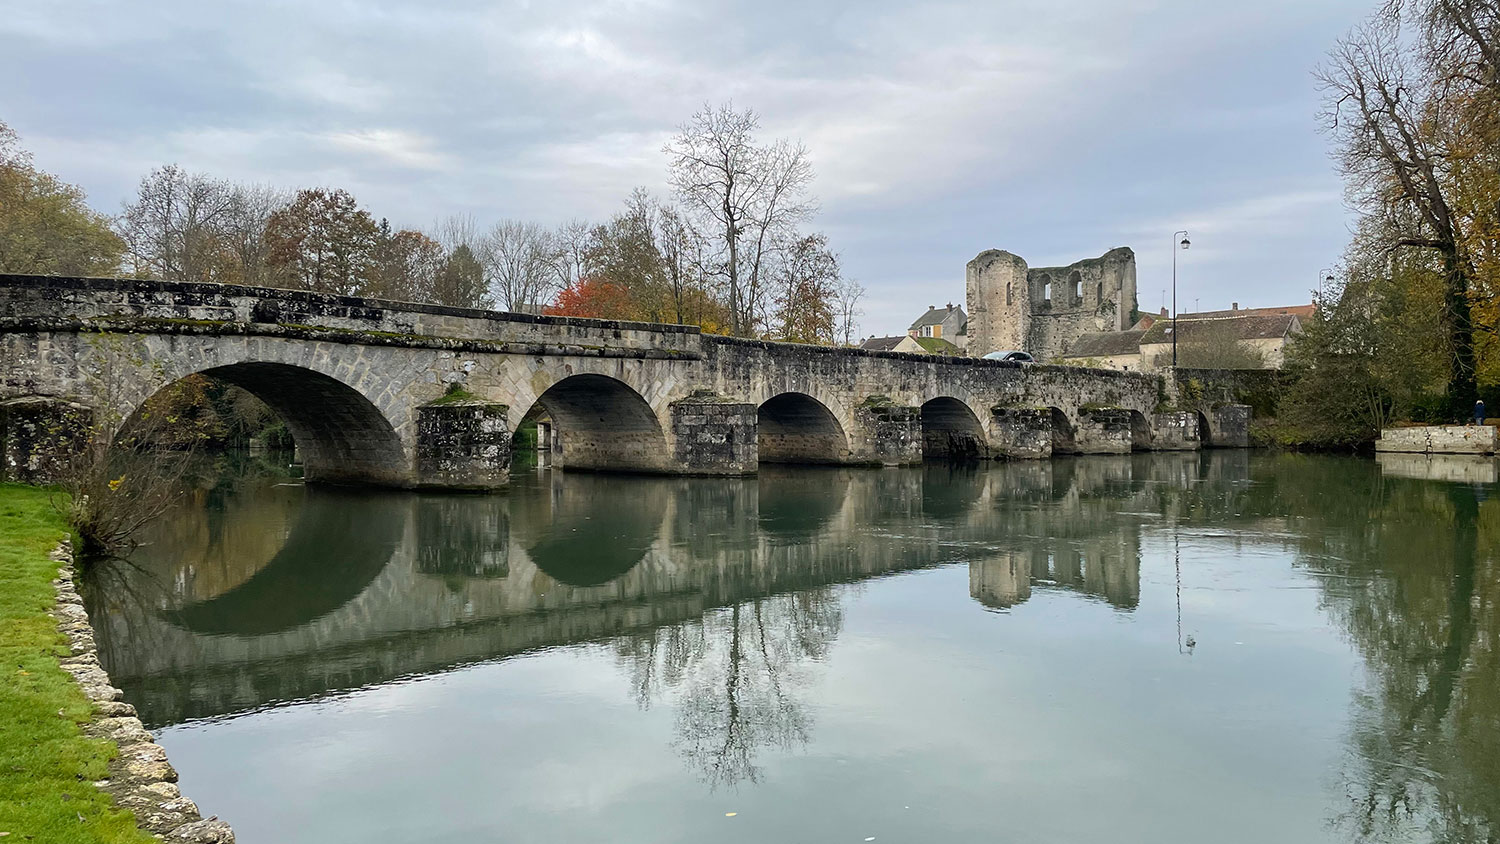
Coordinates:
(1325, 278)
(1184, 244)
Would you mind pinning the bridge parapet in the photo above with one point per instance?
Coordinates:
(130, 305)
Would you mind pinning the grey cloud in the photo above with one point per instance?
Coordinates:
(1057, 130)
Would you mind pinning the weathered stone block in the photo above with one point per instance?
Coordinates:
(1175, 431)
(714, 435)
(892, 433)
(1103, 430)
(1022, 432)
(463, 445)
(1230, 426)
(39, 436)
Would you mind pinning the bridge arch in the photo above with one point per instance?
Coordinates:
(1064, 433)
(794, 427)
(1140, 431)
(342, 437)
(603, 424)
(951, 431)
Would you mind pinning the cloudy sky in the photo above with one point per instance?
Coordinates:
(1056, 130)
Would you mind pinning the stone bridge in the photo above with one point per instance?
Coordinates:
(408, 395)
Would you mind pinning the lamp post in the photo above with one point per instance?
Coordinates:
(1185, 244)
(1325, 278)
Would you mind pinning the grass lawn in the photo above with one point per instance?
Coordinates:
(47, 766)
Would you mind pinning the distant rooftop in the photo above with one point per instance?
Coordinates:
(1225, 325)
(881, 344)
(1302, 311)
(936, 315)
(1104, 344)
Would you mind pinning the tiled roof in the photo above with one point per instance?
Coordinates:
(935, 316)
(882, 344)
(1302, 311)
(1106, 344)
(1253, 327)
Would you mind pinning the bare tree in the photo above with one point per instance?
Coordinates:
(847, 295)
(747, 195)
(520, 264)
(572, 241)
(244, 230)
(174, 228)
(681, 248)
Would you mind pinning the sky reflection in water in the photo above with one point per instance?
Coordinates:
(1226, 647)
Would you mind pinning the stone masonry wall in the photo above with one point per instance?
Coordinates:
(463, 445)
(715, 435)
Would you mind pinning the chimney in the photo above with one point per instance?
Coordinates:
(932, 307)
(1164, 310)
(950, 306)
(1234, 306)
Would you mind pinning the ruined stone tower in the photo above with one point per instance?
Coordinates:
(1043, 310)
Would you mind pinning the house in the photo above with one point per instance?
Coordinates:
(1252, 339)
(1106, 350)
(1239, 338)
(901, 343)
(945, 323)
(914, 345)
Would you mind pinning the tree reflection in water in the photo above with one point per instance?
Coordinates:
(734, 675)
(1425, 736)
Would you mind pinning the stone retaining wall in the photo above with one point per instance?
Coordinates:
(1440, 439)
(140, 777)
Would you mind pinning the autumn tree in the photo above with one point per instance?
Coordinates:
(406, 265)
(45, 226)
(624, 252)
(1413, 115)
(595, 298)
(324, 242)
(745, 195)
(805, 286)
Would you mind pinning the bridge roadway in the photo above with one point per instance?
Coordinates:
(406, 585)
(409, 395)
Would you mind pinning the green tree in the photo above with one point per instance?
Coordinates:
(460, 279)
(45, 226)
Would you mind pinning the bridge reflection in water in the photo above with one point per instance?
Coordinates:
(256, 592)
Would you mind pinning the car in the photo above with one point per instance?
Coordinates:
(1011, 354)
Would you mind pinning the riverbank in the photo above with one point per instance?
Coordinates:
(66, 778)
(46, 783)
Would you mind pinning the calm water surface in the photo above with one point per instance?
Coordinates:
(1171, 648)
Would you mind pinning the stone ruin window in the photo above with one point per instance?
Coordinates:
(1077, 280)
(1099, 292)
(1047, 289)
(1008, 298)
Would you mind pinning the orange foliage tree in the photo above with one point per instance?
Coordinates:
(595, 298)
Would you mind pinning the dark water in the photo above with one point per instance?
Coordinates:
(1169, 648)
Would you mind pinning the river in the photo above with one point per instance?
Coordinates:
(1226, 646)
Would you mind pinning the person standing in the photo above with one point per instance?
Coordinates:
(1479, 412)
